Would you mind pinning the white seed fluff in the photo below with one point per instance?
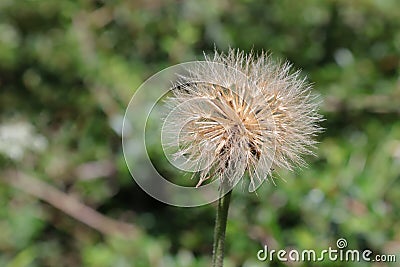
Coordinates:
(239, 113)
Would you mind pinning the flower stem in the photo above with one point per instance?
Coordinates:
(219, 230)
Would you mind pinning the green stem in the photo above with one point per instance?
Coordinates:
(219, 230)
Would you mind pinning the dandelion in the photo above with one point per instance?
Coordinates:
(241, 113)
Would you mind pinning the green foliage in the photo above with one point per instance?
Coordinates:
(69, 68)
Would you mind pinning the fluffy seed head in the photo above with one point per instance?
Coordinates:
(239, 113)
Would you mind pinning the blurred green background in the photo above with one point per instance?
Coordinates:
(68, 70)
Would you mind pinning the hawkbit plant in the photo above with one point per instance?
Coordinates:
(243, 113)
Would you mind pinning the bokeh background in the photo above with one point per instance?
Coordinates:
(68, 70)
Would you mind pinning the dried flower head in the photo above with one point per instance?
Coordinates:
(239, 113)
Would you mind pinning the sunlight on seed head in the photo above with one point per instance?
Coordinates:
(241, 113)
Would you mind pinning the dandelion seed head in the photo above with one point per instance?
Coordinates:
(240, 112)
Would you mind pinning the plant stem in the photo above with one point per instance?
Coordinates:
(219, 230)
